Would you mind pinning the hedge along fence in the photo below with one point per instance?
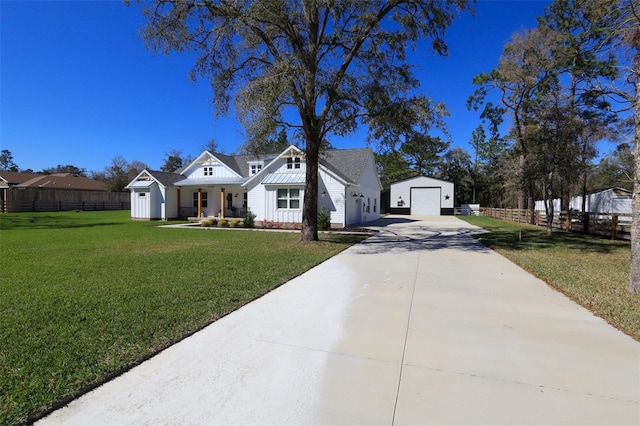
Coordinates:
(613, 225)
(15, 200)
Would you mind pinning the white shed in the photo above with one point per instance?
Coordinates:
(609, 200)
(422, 196)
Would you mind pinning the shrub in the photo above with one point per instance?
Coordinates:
(249, 219)
(204, 223)
(213, 221)
(222, 223)
(324, 219)
(234, 223)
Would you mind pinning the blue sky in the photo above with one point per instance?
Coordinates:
(78, 86)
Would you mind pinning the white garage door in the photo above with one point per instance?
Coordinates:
(425, 201)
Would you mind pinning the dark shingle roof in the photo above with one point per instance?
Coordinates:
(166, 178)
(348, 163)
(14, 178)
(64, 181)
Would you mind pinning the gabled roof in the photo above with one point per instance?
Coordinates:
(64, 181)
(165, 179)
(420, 177)
(347, 163)
(207, 157)
(290, 150)
(15, 178)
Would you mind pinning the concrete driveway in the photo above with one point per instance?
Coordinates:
(419, 324)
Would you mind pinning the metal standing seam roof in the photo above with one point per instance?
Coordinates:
(284, 178)
(140, 184)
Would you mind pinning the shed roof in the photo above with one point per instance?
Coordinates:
(284, 178)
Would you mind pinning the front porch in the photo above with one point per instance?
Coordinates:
(196, 204)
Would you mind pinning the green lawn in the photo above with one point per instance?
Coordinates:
(86, 295)
(592, 271)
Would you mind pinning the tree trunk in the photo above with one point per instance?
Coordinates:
(310, 206)
(634, 284)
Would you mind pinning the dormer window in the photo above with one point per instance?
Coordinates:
(293, 163)
(255, 166)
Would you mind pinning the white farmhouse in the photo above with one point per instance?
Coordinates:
(272, 187)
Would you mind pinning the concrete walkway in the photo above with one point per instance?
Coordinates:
(418, 325)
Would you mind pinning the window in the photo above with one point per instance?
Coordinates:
(208, 171)
(293, 163)
(195, 199)
(142, 194)
(368, 204)
(288, 198)
(375, 204)
(255, 168)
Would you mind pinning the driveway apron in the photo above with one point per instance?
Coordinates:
(419, 324)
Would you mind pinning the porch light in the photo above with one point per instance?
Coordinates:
(324, 194)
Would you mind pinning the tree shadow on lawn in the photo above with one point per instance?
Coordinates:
(535, 239)
(48, 222)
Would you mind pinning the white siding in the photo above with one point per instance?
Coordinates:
(273, 214)
(370, 188)
(219, 171)
(156, 199)
(401, 191)
(333, 198)
(140, 204)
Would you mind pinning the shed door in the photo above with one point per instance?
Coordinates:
(425, 201)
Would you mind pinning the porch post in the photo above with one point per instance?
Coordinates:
(199, 202)
(222, 203)
(179, 209)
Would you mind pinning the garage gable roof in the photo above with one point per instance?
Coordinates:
(421, 177)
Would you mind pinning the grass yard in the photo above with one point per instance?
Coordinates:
(86, 295)
(592, 271)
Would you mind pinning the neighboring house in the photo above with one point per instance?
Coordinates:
(271, 186)
(66, 181)
(59, 191)
(422, 196)
(609, 201)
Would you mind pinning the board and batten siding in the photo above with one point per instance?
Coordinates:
(273, 214)
(219, 171)
(370, 188)
(334, 199)
(140, 203)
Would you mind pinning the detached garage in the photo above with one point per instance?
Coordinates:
(422, 196)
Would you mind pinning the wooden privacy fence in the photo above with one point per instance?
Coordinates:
(613, 225)
(16, 200)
